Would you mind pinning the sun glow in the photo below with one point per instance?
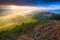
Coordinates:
(32, 8)
(13, 7)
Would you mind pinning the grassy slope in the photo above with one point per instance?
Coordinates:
(15, 29)
(4, 25)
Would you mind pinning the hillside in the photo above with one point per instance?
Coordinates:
(33, 26)
(12, 18)
(49, 30)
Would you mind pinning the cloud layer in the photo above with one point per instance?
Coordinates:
(29, 8)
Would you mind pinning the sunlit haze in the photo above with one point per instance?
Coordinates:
(29, 8)
(13, 10)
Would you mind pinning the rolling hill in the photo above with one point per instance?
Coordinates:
(28, 26)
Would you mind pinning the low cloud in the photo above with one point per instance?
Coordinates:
(29, 8)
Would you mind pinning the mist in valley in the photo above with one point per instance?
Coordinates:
(20, 21)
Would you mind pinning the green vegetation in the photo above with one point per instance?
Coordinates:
(18, 30)
(10, 32)
(56, 17)
(11, 29)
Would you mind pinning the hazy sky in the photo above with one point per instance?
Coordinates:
(45, 4)
(31, 2)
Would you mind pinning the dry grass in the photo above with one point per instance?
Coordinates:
(49, 30)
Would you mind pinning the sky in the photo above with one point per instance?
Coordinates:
(45, 4)
(31, 2)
